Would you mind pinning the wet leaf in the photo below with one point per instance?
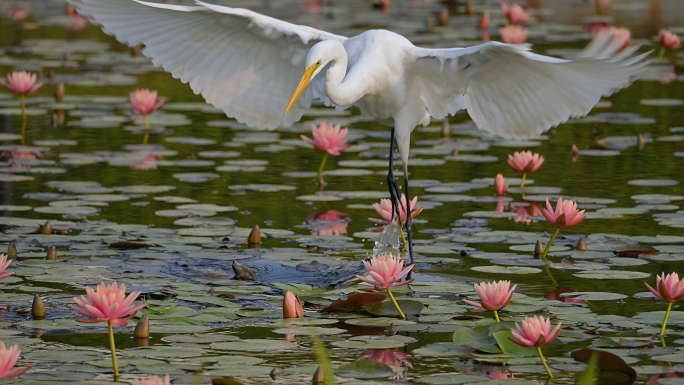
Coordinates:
(606, 360)
(364, 369)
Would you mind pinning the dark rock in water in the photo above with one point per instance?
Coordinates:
(242, 272)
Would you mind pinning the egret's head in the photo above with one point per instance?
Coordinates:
(315, 62)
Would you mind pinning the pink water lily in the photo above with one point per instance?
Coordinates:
(669, 288)
(292, 306)
(500, 185)
(534, 331)
(328, 138)
(669, 40)
(4, 263)
(145, 102)
(8, 358)
(384, 208)
(566, 213)
(21, 83)
(513, 34)
(107, 303)
(385, 270)
(525, 161)
(493, 296)
(514, 13)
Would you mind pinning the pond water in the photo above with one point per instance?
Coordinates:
(187, 200)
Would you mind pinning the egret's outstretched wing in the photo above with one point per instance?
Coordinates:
(511, 92)
(245, 63)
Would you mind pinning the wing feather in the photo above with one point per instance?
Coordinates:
(242, 62)
(514, 93)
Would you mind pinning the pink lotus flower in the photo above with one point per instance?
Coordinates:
(566, 213)
(494, 295)
(484, 21)
(514, 13)
(669, 40)
(292, 306)
(145, 102)
(153, 380)
(21, 83)
(384, 208)
(500, 185)
(328, 138)
(513, 34)
(8, 358)
(385, 270)
(4, 263)
(107, 303)
(525, 161)
(668, 287)
(535, 331)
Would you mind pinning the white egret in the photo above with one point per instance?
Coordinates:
(249, 64)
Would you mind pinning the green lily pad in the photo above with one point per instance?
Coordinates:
(364, 369)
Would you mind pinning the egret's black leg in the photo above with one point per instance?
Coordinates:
(409, 225)
(395, 194)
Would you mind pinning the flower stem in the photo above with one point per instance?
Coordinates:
(401, 231)
(548, 245)
(667, 315)
(147, 135)
(401, 313)
(662, 52)
(322, 357)
(111, 344)
(320, 169)
(496, 316)
(23, 116)
(543, 360)
(147, 124)
(522, 184)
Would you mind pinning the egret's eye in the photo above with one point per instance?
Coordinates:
(318, 62)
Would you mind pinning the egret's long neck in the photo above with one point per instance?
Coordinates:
(340, 90)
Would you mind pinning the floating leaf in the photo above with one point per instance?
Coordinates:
(606, 360)
(387, 308)
(364, 369)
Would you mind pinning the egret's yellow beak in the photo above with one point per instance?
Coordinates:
(306, 79)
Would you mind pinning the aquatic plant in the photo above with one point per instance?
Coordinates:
(145, 102)
(108, 303)
(525, 162)
(514, 13)
(22, 83)
(535, 331)
(566, 214)
(500, 185)
(4, 263)
(328, 139)
(385, 270)
(668, 40)
(8, 358)
(292, 306)
(669, 288)
(494, 296)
